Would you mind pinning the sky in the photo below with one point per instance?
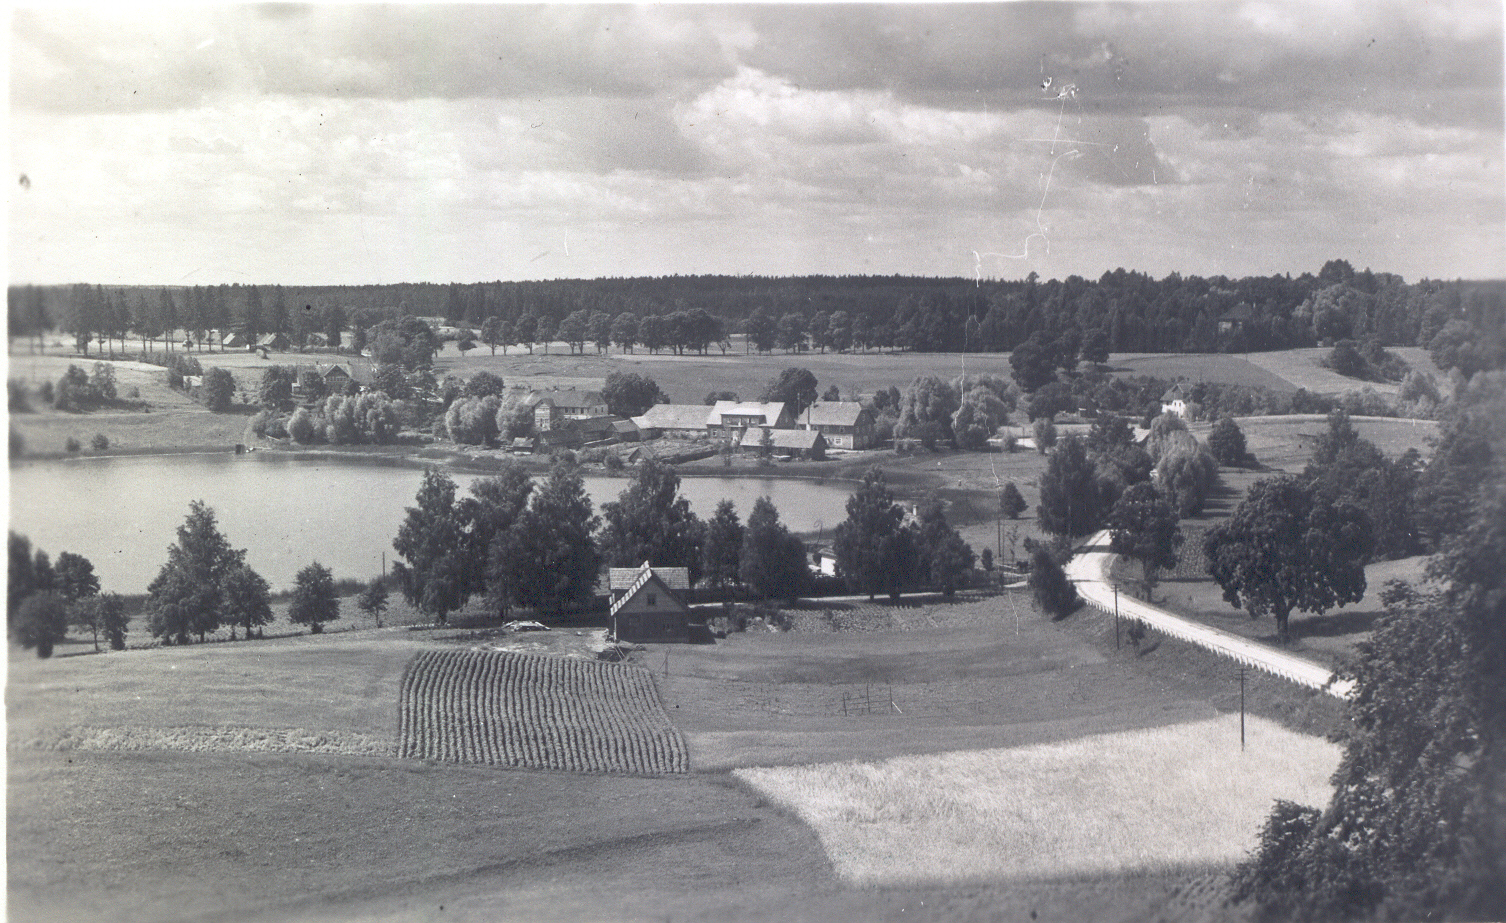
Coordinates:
(353, 143)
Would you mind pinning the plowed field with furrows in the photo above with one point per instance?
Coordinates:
(536, 712)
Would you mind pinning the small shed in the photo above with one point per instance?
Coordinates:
(647, 605)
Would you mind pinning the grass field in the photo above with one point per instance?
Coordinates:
(1195, 367)
(227, 780)
(1137, 800)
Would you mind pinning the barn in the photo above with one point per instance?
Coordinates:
(647, 603)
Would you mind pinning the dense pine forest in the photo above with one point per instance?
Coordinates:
(1122, 311)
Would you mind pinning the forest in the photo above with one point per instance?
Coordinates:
(1122, 311)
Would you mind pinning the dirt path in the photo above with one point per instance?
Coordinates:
(1089, 571)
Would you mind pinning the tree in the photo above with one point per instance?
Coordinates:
(187, 595)
(978, 418)
(650, 521)
(219, 389)
(1227, 442)
(314, 599)
(1011, 501)
(773, 560)
(433, 575)
(927, 410)
(102, 614)
(491, 332)
(548, 560)
(248, 600)
(1285, 549)
(334, 326)
(41, 622)
(600, 331)
(625, 331)
(628, 394)
(1054, 593)
(1072, 501)
(1413, 829)
(21, 575)
(405, 342)
(74, 577)
(795, 387)
(1044, 433)
(724, 541)
(1095, 346)
(945, 559)
(791, 332)
(373, 600)
(1033, 363)
(761, 330)
(276, 389)
(1145, 528)
(574, 330)
(871, 554)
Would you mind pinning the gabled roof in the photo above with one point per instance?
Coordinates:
(673, 416)
(624, 426)
(768, 411)
(622, 578)
(802, 439)
(832, 413)
(573, 398)
(1174, 393)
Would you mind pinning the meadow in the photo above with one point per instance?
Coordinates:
(1130, 800)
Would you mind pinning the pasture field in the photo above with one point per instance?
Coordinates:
(1195, 367)
(537, 712)
(1138, 800)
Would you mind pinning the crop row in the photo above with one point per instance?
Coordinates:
(534, 711)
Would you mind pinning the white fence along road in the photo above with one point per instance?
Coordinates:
(1089, 571)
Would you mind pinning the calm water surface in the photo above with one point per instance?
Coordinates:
(123, 513)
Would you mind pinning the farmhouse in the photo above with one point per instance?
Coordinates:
(793, 443)
(1175, 400)
(647, 605)
(551, 407)
(1235, 319)
(272, 341)
(845, 424)
(726, 416)
(673, 420)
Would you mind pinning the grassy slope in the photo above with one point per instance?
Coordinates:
(301, 836)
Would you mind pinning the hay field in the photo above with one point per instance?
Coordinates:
(1146, 800)
(1304, 369)
(535, 711)
(1215, 367)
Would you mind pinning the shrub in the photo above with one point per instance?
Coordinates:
(47, 393)
(301, 427)
(18, 402)
(100, 442)
(1136, 633)
(613, 461)
(71, 444)
(1010, 442)
(1054, 593)
(219, 390)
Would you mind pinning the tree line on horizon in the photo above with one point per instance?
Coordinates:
(1134, 312)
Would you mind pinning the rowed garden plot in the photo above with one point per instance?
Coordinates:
(537, 712)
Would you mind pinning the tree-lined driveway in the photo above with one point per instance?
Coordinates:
(1089, 570)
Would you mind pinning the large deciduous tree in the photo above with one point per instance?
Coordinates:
(433, 573)
(1285, 548)
(1144, 525)
(926, 411)
(248, 600)
(548, 560)
(628, 394)
(650, 521)
(1415, 827)
(188, 594)
(1072, 500)
(945, 559)
(796, 387)
(721, 553)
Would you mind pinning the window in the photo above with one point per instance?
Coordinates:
(653, 599)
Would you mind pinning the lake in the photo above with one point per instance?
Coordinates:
(122, 513)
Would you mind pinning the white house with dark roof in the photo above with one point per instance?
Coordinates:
(550, 407)
(726, 416)
(845, 424)
(647, 603)
(1175, 400)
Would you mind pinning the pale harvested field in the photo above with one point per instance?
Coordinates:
(1139, 800)
(1304, 369)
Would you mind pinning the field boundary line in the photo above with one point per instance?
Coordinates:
(1088, 570)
